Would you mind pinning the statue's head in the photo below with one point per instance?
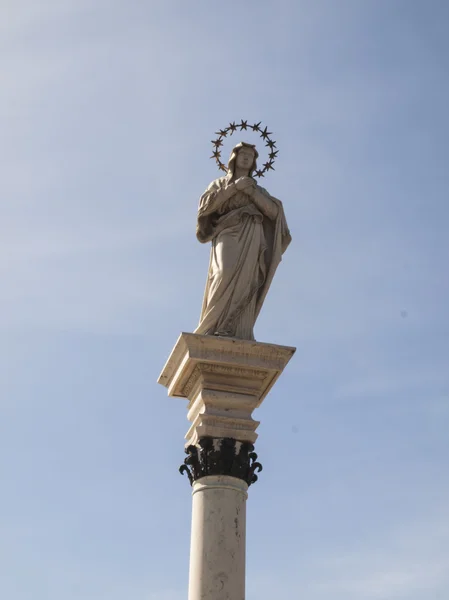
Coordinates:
(243, 156)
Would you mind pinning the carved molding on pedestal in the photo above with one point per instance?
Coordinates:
(228, 362)
(227, 371)
(221, 456)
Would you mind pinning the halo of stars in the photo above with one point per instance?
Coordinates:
(243, 126)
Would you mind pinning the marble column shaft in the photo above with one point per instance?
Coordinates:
(217, 550)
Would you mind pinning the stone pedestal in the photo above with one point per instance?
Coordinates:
(224, 380)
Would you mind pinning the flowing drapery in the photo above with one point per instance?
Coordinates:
(248, 239)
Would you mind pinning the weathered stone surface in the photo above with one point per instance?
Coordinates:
(217, 550)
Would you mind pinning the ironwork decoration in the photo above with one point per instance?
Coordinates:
(243, 126)
(221, 456)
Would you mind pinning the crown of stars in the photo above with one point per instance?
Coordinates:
(244, 126)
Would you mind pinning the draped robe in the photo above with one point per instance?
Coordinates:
(249, 236)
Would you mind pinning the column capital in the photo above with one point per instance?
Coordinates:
(221, 457)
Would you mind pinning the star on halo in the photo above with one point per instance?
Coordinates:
(265, 133)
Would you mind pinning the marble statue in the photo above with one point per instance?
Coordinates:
(249, 234)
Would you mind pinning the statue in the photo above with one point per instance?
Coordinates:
(249, 234)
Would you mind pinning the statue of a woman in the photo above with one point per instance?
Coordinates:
(249, 234)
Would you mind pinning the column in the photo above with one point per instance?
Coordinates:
(217, 549)
(224, 380)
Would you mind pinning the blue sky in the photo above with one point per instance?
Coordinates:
(106, 115)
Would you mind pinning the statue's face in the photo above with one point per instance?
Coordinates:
(245, 158)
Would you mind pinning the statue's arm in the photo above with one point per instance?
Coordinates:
(214, 197)
(264, 203)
